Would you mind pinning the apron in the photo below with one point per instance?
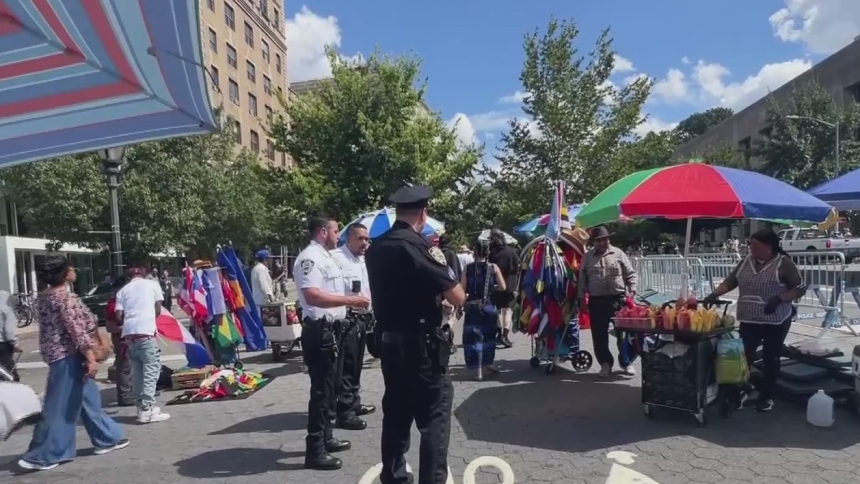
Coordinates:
(756, 288)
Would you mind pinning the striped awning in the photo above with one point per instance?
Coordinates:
(83, 75)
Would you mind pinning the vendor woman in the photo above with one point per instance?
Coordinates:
(767, 282)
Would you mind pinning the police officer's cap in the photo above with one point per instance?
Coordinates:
(411, 197)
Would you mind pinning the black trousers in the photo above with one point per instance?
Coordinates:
(7, 360)
(320, 351)
(122, 368)
(414, 392)
(771, 338)
(350, 363)
(601, 310)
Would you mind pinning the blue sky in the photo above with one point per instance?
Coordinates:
(700, 53)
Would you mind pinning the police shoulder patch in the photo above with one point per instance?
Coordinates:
(307, 266)
(437, 255)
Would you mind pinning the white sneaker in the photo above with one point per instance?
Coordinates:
(628, 371)
(605, 370)
(122, 444)
(31, 466)
(152, 415)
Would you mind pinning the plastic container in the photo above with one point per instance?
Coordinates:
(819, 410)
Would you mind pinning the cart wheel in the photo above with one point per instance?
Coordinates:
(288, 348)
(648, 411)
(238, 365)
(534, 362)
(550, 368)
(581, 361)
(277, 355)
(702, 419)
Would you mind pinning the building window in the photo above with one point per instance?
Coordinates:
(234, 92)
(213, 41)
(278, 63)
(252, 104)
(251, 71)
(255, 142)
(270, 115)
(231, 57)
(230, 17)
(249, 35)
(211, 4)
(265, 48)
(277, 19)
(267, 85)
(237, 132)
(270, 149)
(264, 9)
(216, 77)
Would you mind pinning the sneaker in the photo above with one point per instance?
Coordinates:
(742, 400)
(32, 466)
(605, 370)
(628, 371)
(152, 415)
(764, 405)
(122, 444)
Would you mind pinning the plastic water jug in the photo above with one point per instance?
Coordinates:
(819, 410)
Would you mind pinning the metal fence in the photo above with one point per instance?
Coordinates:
(823, 272)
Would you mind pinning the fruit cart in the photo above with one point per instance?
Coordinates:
(678, 350)
(283, 329)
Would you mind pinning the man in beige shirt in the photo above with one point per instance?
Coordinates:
(607, 276)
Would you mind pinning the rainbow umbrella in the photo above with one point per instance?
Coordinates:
(538, 224)
(696, 190)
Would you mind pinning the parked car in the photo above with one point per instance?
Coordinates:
(813, 240)
(97, 299)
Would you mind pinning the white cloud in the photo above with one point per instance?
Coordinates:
(308, 34)
(622, 65)
(463, 130)
(823, 26)
(686, 60)
(515, 98)
(673, 88)
(710, 79)
(651, 123)
(491, 120)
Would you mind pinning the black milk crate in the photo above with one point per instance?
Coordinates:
(679, 376)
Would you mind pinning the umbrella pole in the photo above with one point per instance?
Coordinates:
(685, 281)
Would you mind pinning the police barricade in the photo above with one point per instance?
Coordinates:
(665, 274)
(822, 272)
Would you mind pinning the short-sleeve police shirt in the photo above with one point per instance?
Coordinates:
(407, 276)
(316, 268)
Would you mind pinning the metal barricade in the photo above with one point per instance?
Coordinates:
(665, 274)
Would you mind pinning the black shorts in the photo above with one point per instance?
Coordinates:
(503, 299)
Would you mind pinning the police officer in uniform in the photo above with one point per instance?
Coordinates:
(322, 295)
(408, 279)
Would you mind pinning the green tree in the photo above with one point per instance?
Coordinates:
(653, 150)
(360, 136)
(800, 147)
(574, 120)
(699, 123)
(176, 194)
(723, 154)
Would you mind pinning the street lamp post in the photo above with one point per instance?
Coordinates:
(112, 161)
(835, 126)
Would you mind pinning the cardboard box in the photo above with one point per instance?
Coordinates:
(190, 379)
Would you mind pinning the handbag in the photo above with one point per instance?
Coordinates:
(102, 346)
(482, 305)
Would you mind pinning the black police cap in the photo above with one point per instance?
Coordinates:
(408, 197)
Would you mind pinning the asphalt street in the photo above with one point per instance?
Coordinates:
(563, 428)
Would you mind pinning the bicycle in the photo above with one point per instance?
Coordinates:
(23, 309)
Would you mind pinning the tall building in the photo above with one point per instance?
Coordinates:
(244, 47)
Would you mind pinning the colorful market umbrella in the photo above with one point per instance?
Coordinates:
(380, 221)
(485, 235)
(84, 75)
(843, 192)
(696, 190)
(538, 224)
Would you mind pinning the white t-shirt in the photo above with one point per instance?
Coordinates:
(465, 259)
(316, 268)
(353, 270)
(137, 302)
(261, 283)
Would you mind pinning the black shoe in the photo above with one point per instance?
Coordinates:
(324, 462)
(365, 410)
(353, 423)
(764, 405)
(334, 446)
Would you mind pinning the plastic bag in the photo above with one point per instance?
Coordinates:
(731, 364)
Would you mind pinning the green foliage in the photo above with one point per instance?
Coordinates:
(699, 123)
(359, 137)
(802, 151)
(723, 154)
(575, 121)
(178, 194)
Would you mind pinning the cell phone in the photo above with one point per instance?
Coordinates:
(356, 286)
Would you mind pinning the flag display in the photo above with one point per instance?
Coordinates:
(172, 330)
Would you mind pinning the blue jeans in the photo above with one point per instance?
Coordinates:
(68, 396)
(144, 356)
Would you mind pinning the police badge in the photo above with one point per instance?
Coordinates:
(438, 256)
(307, 266)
